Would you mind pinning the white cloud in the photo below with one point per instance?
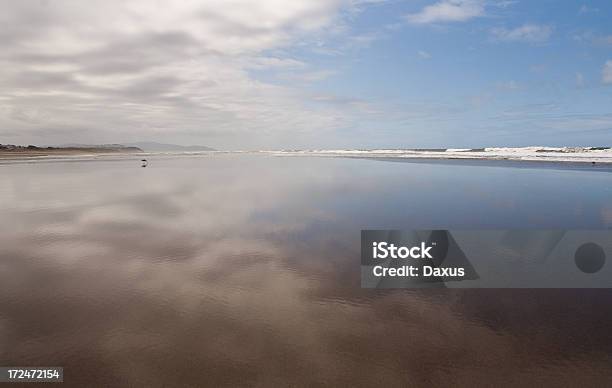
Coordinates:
(606, 40)
(448, 11)
(310, 76)
(579, 80)
(508, 85)
(73, 71)
(538, 68)
(586, 9)
(424, 54)
(505, 3)
(590, 37)
(533, 33)
(607, 73)
(275, 63)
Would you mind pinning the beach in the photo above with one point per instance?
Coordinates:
(37, 152)
(241, 269)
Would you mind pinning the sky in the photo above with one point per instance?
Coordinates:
(317, 74)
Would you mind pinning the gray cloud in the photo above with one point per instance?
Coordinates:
(130, 70)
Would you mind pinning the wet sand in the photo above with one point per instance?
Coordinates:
(233, 270)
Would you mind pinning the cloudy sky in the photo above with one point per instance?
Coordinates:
(244, 74)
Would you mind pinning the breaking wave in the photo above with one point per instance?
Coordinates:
(533, 153)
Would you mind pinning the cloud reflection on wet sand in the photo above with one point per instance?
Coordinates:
(245, 272)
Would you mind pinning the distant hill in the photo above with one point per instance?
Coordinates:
(68, 149)
(117, 147)
(161, 147)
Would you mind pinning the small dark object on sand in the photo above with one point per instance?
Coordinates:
(144, 163)
(592, 162)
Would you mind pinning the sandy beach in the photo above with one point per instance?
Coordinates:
(229, 269)
(42, 152)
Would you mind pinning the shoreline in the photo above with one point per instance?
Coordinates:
(593, 157)
(24, 153)
(508, 163)
(74, 155)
